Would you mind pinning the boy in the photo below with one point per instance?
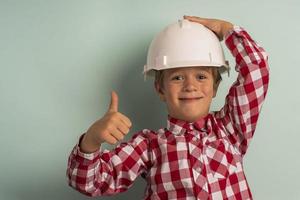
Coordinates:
(200, 154)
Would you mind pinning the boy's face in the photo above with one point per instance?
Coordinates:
(187, 91)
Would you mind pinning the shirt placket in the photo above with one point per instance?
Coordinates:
(198, 170)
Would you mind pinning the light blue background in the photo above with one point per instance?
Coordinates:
(59, 60)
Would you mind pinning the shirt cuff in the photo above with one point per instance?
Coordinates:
(235, 29)
(85, 156)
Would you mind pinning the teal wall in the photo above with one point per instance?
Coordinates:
(59, 60)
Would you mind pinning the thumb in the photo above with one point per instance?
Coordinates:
(113, 102)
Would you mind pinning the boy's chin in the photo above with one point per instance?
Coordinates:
(191, 118)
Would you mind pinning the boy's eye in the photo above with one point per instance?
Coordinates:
(177, 78)
(201, 77)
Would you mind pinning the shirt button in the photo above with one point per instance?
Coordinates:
(203, 130)
(198, 169)
(194, 139)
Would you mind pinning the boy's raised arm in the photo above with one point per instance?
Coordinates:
(244, 100)
(246, 95)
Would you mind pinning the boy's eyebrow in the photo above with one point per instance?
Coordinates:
(202, 68)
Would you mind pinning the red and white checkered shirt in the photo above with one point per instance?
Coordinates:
(200, 160)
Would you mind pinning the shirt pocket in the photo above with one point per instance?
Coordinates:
(222, 159)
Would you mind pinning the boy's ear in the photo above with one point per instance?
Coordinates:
(159, 91)
(216, 86)
(215, 93)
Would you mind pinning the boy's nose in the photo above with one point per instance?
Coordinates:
(189, 85)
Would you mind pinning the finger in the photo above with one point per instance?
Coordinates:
(200, 20)
(194, 17)
(123, 128)
(116, 133)
(126, 120)
(208, 23)
(191, 17)
(111, 139)
(114, 102)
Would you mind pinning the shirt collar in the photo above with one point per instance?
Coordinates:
(177, 126)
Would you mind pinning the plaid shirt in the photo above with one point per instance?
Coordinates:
(200, 160)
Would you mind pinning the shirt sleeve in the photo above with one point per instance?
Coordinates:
(108, 172)
(245, 98)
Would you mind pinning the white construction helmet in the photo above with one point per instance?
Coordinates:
(185, 44)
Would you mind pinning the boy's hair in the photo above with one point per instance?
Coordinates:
(159, 77)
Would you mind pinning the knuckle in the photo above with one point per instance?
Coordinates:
(111, 140)
(121, 137)
(126, 131)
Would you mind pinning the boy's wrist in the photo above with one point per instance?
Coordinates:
(226, 28)
(88, 145)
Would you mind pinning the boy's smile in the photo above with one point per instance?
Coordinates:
(187, 91)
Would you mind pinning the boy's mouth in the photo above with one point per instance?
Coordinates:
(190, 98)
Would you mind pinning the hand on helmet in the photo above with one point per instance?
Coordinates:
(219, 27)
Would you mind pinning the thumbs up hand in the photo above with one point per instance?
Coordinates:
(111, 128)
